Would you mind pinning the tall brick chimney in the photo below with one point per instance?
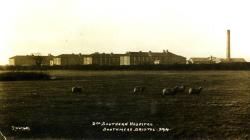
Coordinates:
(228, 45)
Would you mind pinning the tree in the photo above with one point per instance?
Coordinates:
(38, 59)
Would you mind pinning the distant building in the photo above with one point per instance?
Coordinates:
(214, 60)
(67, 60)
(135, 58)
(101, 59)
(87, 60)
(129, 58)
(166, 58)
(47, 59)
(233, 60)
(201, 60)
(142, 58)
(30, 60)
(157, 57)
(22, 60)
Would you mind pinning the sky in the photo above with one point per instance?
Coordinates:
(191, 28)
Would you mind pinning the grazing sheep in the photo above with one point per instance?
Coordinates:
(53, 78)
(139, 89)
(35, 94)
(195, 90)
(169, 91)
(76, 90)
(180, 88)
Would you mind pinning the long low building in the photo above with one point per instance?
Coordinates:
(129, 58)
(30, 60)
(214, 60)
(166, 57)
(101, 59)
(143, 58)
(67, 60)
(135, 58)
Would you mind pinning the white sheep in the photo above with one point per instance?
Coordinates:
(169, 91)
(139, 89)
(76, 90)
(180, 88)
(53, 78)
(195, 90)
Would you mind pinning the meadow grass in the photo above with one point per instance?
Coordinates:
(23, 76)
(49, 108)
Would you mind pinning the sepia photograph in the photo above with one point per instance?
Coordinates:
(124, 69)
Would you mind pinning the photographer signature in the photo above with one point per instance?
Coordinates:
(20, 128)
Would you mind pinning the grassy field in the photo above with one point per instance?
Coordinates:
(20, 76)
(50, 110)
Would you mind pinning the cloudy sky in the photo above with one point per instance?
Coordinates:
(185, 27)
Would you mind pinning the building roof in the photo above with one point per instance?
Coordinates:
(140, 53)
(214, 59)
(234, 60)
(18, 56)
(27, 56)
(103, 54)
(199, 59)
(147, 54)
(237, 60)
(22, 56)
(172, 54)
(69, 55)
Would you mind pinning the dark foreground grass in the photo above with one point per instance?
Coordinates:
(50, 110)
(23, 76)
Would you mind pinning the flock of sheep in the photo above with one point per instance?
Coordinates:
(170, 91)
(165, 91)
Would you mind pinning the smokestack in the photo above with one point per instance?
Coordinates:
(228, 45)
